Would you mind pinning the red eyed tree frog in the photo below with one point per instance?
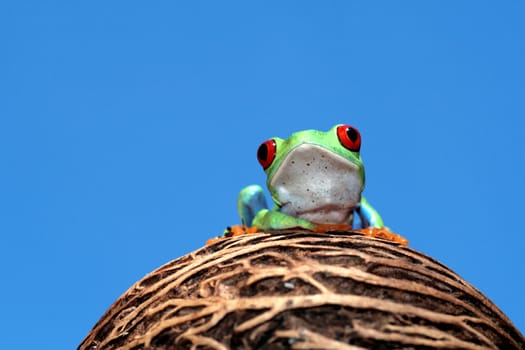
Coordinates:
(315, 179)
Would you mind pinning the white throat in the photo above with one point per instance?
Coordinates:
(318, 185)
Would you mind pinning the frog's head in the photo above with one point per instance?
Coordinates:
(315, 175)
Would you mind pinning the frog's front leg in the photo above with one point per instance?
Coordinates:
(372, 224)
(254, 212)
(275, 220)
(368, 215)
(251, 201)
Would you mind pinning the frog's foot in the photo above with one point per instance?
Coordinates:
(381, 233)
(237, 230)
(213, 240)
(323, 228)
(231, 231)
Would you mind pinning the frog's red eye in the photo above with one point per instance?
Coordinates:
(266, 153)
(349, 137)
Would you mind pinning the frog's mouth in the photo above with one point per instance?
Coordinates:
(317, 185)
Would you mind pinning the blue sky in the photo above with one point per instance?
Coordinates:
(127, 129)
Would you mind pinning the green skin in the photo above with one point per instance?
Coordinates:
(327, 151)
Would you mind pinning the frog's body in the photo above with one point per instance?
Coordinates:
(315, 179)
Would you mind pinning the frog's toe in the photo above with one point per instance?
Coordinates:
(382, 233)
(235, 230)
(238, 230)
(213, 240)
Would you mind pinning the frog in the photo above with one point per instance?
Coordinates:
(315, 180)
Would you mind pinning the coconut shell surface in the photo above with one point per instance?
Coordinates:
(299, 290)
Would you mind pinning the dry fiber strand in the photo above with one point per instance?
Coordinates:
(300, 290)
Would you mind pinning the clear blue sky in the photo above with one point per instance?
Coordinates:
(127, 129)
